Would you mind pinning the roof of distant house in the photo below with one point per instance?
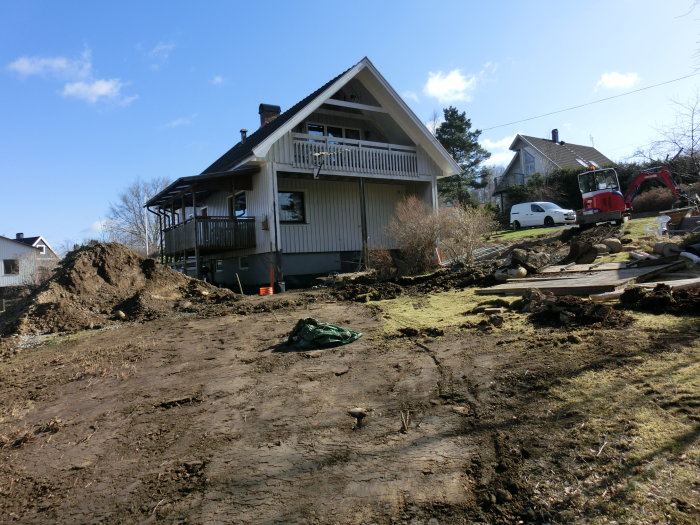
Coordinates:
(564, 154)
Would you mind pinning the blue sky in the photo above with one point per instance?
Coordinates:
(94, 95)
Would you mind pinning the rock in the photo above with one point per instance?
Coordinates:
(518, 272)
(602, 249)
(496, 320)
(572, 338)
(582, 252)
(120, 314)
(532, 261)
(502, 495)
(613, 244)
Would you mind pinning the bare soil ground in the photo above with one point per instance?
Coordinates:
(205, 420)
(201, 416)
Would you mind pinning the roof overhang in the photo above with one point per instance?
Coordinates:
(196, 187)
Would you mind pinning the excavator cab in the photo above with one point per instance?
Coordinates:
(597, 180)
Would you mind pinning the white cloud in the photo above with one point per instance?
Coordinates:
(617, 80)
(500, 154)
(434, 123)
(410, 95)
(77, 75)
(97, 90)
(217, 79)
(450, 87)
(160, 53)
(98, 226)
(60, 67)
(182, 121)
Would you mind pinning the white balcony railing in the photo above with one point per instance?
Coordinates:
(356, 156)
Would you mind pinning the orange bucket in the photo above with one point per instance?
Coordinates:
(266, 290)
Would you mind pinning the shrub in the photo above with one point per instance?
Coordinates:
(415, 229)
(464, 229)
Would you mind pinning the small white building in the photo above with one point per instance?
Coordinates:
(18, 263)
(310, 192)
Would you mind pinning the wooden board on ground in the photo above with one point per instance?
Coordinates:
(591, 283)
(577, 268)
(680, 284)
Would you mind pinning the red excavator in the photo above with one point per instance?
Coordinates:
(604, 202)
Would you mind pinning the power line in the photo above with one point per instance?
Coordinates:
(591, 103)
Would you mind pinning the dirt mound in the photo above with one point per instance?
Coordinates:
(567, 310)
(103, 283)
(370, 288)
(662, 299)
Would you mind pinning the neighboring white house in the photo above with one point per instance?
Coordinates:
(310, 192)
(18, 263)
(25, 260)
(47, 257)
(543, 156)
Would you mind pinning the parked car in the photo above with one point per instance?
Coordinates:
(540, 214)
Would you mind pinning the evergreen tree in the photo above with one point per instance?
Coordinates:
(460, 141)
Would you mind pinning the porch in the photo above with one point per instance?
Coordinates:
(209, 234)
(353, 156)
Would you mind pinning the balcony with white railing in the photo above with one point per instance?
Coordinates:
(354, 156)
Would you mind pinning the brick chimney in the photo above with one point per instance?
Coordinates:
(268, 113)
(555, 135)
(19, 236)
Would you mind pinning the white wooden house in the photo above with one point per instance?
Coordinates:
(25, 260)
(310, 192)
(18, 263)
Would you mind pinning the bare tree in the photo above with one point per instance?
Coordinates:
(130, 223)
(680, 142)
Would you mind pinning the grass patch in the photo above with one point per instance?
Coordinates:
(640, 423)
(444, 310)
(510, 235)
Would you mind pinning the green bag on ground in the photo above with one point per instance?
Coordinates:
(309, 334)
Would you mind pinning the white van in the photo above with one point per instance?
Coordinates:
(539, 214)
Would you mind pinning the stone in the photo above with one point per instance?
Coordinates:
(531, 260)
(613, 244)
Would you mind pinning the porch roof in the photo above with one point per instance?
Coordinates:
(201, 185)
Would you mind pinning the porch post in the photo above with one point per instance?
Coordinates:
(363, 222)
(196, 234)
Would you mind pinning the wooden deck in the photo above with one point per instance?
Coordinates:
(210, 234)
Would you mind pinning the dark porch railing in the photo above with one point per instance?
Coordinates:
(210, 234)
(503, 183)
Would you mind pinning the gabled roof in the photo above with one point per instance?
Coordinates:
(257, 144)
(18, 241)
(34, 241)
(243, 149)
(563, 154)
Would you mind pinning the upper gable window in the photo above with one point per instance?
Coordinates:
(333, 131)
(41, 248)
(528, 163)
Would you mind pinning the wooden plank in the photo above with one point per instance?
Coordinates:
(596, 282)
(680, 284)
(573, 268)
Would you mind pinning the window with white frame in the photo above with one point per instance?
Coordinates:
(340, 132)
(238, 205)
(292, 206)
(10, 266)
(41, 248)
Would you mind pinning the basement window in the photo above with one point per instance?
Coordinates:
(10, 266)
(291, 206)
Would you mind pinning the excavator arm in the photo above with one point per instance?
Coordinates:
(661, 174)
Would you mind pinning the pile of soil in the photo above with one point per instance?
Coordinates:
(567, 310)
(370, 288)
(104, 283)
(662, 299)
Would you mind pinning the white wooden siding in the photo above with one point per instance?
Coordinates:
(25, 255)
(333, 215)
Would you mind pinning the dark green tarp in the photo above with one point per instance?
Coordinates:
(309, 334)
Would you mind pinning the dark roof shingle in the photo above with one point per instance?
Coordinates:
(565, 155)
